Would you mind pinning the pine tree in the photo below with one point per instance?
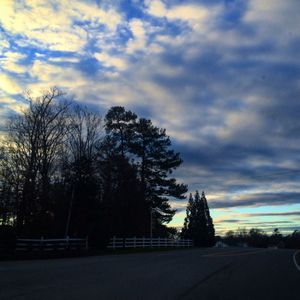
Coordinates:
(155, 162)
(148, 149)
(185, 230)
(119, 125)
(198, 224)
(210, 225)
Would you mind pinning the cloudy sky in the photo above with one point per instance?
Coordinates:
(222, 76)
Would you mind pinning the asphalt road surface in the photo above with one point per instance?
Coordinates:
(230, 273)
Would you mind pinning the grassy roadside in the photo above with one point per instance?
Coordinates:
(82, 253)
(297, 257)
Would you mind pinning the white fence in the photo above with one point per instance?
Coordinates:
(117, 243)
(42, 244)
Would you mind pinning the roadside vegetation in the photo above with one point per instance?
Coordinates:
(258, 238)
(66, 171)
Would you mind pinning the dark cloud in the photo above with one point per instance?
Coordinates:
(275, 214)
(267, 223)
(229, 221)
(261, 199)
(89, 66)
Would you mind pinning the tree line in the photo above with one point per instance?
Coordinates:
(66, 171)
(256, 237)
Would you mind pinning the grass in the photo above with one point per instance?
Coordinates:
(79, 253)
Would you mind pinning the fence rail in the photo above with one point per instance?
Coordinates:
(42, 244)
(119, 243)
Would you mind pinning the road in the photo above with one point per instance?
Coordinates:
(230, 273)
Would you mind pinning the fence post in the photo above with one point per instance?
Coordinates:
(42, 243)
(67, 242)
(87, 243)
(143, 242)
(134, 242)
(114, 242)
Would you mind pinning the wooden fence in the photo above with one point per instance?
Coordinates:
(119, 243)
(42, 244)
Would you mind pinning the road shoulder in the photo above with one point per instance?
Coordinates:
(296, 258)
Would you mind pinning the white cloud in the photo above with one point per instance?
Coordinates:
(10, 62)
(9, 85)
(4, 44)
(12, 104)
(197, 16)
(63, 59)
(51, 24)
(266, 10)
(157, 8)
(274, 19)
(138, 42)
(111, 61)
(45, 75)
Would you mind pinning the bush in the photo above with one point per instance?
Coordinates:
(7, 239)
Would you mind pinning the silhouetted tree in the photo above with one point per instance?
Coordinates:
(198, 223)
(33, 144)
(190, 216)
(258, 238)
(148, 149)
(292, 241)
(119, 125)
(81, 170)
(155, 161)
(209, 222)
(60, 174)
(276, 237)
(229, 238)
(123, 205)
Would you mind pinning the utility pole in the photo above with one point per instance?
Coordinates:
(151, 224)
(70, 212)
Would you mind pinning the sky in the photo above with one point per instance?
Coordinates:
(222, 76)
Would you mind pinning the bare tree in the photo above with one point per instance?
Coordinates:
(84, 139)
(86, 132)
(34, 141)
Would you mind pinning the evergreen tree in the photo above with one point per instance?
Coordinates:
(185, 232)
(119, 125)
(210, 225)
(198, 224)
(155, 162)
(147, 149)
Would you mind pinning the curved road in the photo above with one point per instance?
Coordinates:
(230, 273)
